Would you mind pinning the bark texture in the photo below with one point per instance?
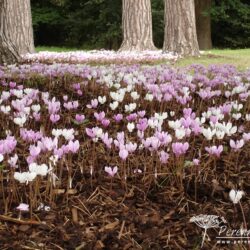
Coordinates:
(8, 52)
(203, 23)
(18, 24)
(137, 25)
(180, 28)
(16, 31)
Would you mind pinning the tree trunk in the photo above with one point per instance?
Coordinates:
(8, 52)
(137, 25)
(203, 23)
(180, 29)
(18, 24)
(16, 32)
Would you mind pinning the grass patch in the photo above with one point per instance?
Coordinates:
(239, 57)
(55, 49)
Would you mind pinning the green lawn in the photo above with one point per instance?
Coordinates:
(238, 57)
(55, 49)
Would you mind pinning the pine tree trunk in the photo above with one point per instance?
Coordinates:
(203, 23)
(16, 32)
(137, 25)
(18, 24)
(8, 52)
(180, 29)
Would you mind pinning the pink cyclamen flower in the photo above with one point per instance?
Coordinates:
(141, 113)
(93, 104)
(236, 145)
(99, 116)
(180, 148)
(79, 118)
(164, 156)
(106, 140)
(118, 117)
(23, 207)
(196, 162)
(123, 154)
(37, 116)
(214, 150)
(54, 118)
(142, 124)
(105, 122)
(12, 85)
(34, 150)
(73, 146)
(111, 171)
(246, 137)
(79, 92)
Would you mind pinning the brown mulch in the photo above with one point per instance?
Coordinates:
(122, 218)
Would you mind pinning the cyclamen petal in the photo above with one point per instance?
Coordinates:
(235, 195)
(123, 154)
(111, 171)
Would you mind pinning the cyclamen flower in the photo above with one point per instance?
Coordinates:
(246, 137)
(99, 116)
(236, 145)
(180, 133)
(54, 118)
(53, 106)
(106, 140)
(24, 177)
(236, 195)
(118, 117)
(79, 118)
(196, 162)
(208, 133)
(142, 124)
(102, 99)
(105, 122)
(114, 105)
(7, 145)
(1, 158)
(131, 147)
(23, 207)
(180, 148)
(123, 154)
(68, 134)
(164, 157)
(111, 171)
(34, 150)
(37, 116)
(20, 121)
(12, 161)
(94, 133)
(93, 104)
(214, 150)
(73, 146)
(141, 113)
(38, 169)
(131, 127)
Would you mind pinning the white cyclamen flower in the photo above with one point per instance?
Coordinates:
(24, 177)
(113, 105)
(20, 121)
(102, 99)
(236, 195)
(131, 127)
(38, 169)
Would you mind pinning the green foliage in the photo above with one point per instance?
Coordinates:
(231, 23)
(96, 24)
